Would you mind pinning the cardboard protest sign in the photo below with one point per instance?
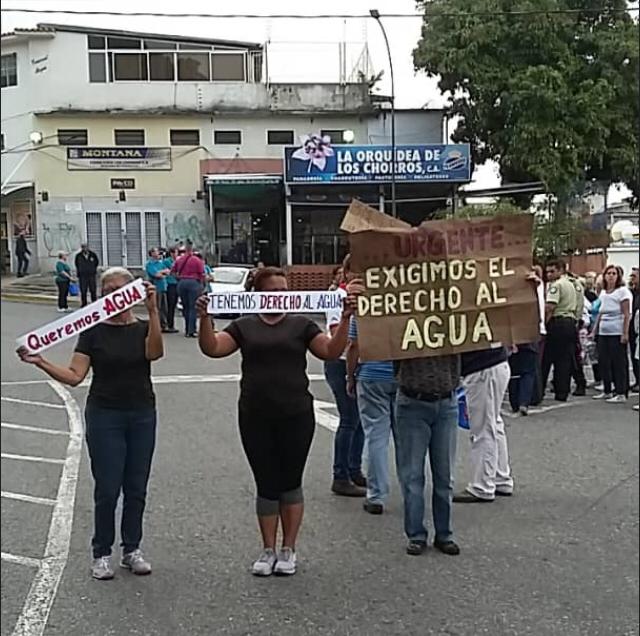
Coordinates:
(274, 302)
(40, 339)
(446, 287)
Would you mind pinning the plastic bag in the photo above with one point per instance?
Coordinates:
(463, 412)
(74, 290)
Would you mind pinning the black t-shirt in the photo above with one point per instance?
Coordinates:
(121, 371)
(274, 362)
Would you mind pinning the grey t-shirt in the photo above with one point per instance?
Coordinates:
(274, 362)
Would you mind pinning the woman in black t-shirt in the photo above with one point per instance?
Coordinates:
(120, 419)
(275, 410)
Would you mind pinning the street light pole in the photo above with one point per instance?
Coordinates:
(375, 14)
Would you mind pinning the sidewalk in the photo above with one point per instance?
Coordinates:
(33, 288)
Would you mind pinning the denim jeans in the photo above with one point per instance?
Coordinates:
(523, 366)
(121, 445)
(376, 404)
(349, 438)
(189, 290)
(423, 427)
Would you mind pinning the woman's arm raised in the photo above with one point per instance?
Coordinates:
(153, 345)
(213, 344)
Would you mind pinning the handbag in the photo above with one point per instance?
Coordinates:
(74, 290)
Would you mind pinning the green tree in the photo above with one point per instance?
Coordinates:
(550, 97)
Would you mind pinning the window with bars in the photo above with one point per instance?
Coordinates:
(73, 137)
(336, 135)
(275, 137)
(227, 137)
(121, 59)
(128, 137)
(183, 137)
(9, 70)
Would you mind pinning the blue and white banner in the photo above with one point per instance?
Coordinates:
(118, 158)
(317, 161)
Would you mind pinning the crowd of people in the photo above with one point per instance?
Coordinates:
(415, 402)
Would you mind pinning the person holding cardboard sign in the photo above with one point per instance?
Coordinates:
(275, 410)
(120, 419)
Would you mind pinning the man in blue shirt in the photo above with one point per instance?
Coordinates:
(375, 385)
(157, 272)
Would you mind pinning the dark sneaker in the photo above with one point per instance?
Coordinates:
(448, 547)
(373, 508)
(580, 391)
(360, 480)
(416, 548)
(136, 562)
(102, 569)
(524, 410)
(346, 488)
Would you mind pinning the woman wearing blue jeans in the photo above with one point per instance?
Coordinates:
(120, 420)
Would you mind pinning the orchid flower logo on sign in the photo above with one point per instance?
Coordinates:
(315, 151)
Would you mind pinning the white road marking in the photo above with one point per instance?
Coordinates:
(28, 498)
(31, 458)
(22, 382)
(33, 429)
(32, 402)
(324, 419)
(20, 560)
(35, 612)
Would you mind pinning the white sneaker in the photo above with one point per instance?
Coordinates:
(102, 569)
(264, 564)
(617, 399)
(286, 564)
(599, 386)
(135, 562)
(636, 407)
(60, 310)
(603, 396)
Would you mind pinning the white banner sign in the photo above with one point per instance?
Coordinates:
(306, 302)
(40, 339)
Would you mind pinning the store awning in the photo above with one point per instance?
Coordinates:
(243, 186)
(14, 186)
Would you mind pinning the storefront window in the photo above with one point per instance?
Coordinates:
(317, 239)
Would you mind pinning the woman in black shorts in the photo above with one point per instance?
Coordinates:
(275, 410)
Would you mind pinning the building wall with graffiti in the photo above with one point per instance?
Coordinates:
(121, 232)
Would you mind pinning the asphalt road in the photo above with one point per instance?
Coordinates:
(560, 557)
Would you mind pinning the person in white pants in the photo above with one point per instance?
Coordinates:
(485, 380)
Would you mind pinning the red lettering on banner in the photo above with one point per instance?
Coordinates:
(52, 336)
(135, 295)
(118, 301)
(108, 307)
(33, 342)
(68, 329)
(78, 324)
(95, 315)
(60, 331)
(264, 300)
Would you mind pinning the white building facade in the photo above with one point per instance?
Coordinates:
(108, 136)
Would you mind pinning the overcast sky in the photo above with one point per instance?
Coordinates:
(299, 50)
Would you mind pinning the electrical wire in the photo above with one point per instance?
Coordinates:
(322, 16)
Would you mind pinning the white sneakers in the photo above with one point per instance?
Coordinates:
(610, 398)
(265, 563)
(284, 563)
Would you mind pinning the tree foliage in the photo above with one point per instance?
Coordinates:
(550, 97)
